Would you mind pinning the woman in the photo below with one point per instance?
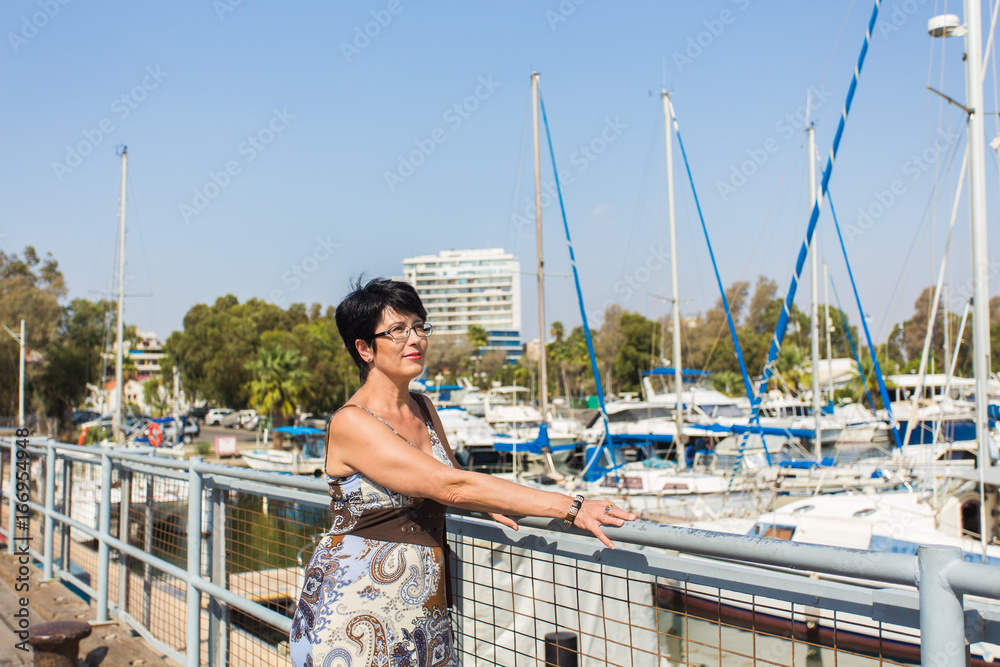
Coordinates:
(375, 589)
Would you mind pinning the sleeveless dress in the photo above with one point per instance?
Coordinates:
(370, 602)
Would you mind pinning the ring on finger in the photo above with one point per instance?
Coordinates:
(607, 509)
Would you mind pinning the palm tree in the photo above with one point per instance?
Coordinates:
(478, 338)
(279, 381)
(563, 354)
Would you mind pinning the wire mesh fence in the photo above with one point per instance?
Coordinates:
(534, 597)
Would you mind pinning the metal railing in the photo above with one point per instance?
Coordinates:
(204, 561)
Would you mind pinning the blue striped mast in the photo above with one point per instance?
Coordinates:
(779, 334)
(579, 292)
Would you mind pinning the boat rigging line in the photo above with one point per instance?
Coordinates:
(772, 356)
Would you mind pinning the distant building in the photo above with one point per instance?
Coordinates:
(146, 355)
(460, 288)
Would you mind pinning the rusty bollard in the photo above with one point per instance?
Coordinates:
(57, 643)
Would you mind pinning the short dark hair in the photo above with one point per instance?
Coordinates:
(362, 309)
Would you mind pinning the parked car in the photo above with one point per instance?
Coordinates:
(231, 420)
(245, 417)
(190, 432)
(216, 415)
(198, 413)
(82, 416)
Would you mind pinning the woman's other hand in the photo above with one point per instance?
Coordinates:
(594, 514)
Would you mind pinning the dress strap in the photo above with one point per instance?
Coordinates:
(388, 425)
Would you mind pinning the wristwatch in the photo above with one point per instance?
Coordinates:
(574, 509)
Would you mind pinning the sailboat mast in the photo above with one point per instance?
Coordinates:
(678, 372)
(814, 306)
(980, 268)
(543, 385)
(829, 330)
(118, 425)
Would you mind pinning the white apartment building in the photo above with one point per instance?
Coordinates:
(460, 288)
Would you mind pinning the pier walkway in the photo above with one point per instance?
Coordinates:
(204, 562)
(110, 645)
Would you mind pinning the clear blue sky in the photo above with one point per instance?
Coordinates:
(309, 115)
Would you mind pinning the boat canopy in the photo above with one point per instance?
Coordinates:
(299, 430)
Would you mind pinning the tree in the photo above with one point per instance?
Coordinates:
(75, 358)
(30, 289)
(478, 338)
(607, 342)
(154, 396)
(635, 355)
(278, 381)
(915, 329)
(212, 350)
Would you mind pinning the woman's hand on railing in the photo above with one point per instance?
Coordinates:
(505, 520)
(594, 514)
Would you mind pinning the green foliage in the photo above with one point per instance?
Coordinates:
(636, 352)
(216, 342)
(30, 289)
(278, 381)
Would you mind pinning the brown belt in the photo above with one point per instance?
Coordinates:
(422, 524)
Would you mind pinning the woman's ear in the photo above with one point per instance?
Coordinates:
(366, 351)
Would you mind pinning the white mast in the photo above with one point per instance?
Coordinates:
(678, 371)
(980, 267)
(828, 327)
(814, 306)
(543, 385)
(118, 418)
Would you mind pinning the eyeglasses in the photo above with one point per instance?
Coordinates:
(400, 333)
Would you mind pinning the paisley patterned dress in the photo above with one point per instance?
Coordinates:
(369, 602)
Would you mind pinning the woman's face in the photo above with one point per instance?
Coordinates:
(403, 357)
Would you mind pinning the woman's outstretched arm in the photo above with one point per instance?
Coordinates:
(363, 444)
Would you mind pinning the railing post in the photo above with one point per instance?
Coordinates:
(64, 528)
(218, 637)
(194, 564)
(124, 510)
(942, 617)
(11, 496)
(104, 532)
(147, 546)
(50, 507)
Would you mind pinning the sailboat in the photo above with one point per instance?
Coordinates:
(525, 431)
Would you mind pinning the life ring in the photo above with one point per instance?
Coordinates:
(83, 437)
(155, 434)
